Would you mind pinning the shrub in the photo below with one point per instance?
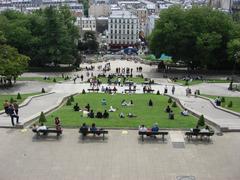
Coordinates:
(201, 121)
(43, 90)
(230, 104)
(186, 83)
(11, 100)
(42, 118)
(83, 91)
(54, 80)
(158, 93)
(222, 99)
(69, 102)
(71, 98)
(19, 96)
(174, 104)
(170, 100)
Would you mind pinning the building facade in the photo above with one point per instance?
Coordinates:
(99, 10)
(123, 30)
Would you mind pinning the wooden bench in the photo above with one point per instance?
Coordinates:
(93, 90)
(47, 131)
(98, 132)
(150, 133)
(149, 91)
(130, 90)
(190, 134)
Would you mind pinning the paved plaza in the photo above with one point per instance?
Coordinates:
(119, 157)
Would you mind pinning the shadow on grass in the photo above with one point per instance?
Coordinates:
(41, 138)
(152, 140)
(92, 139)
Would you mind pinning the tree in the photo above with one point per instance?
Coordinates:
(42, 118)
(12, 63)
(89, 42)
(197, 36)
(201, 121)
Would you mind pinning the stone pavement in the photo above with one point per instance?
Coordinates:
(119, 157)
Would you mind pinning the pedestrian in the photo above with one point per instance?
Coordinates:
(6, 106)
(15, 105)
(57, 123)
(81, 77)
(12, 114)
(173, 89)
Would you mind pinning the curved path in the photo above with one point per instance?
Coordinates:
(197, 105)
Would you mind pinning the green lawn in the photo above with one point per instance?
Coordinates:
(14, 96)
(194, 82)
(145, 114)
(235, 101)
(137, 80)
(58, 79)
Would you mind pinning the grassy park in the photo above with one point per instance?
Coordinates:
(235, 102)
(194, 82)
(145, 115)
(14, 96)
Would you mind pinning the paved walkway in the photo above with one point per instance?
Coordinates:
(199, 106)
(119, 157)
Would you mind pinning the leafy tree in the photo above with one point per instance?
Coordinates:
(198, 36)
(42, 118)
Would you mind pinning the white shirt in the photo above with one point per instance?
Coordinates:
(143, 129)
(42, 128)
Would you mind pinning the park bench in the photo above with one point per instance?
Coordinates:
(130, 90)
(190, 134)
(47, 131)
(149, 91)
(93, 90)
(150, 133)
(98, 132)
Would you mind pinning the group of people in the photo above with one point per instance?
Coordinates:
(197, 129)
(85, 128)
(11, 109)
(155, 128)
(42, 126)
(124, 70)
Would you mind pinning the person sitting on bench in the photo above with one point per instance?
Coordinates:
(195, 130)
(171, 115)
(99, 115)
(206, 129)
(84, 129)
(91, 114)
(76, 107)
(168, 109)
(111, 109)
(155, 128)
(185, 112)
(105, 114)
(142, 128)
(93, 127)
(34, 127)
(42, 127)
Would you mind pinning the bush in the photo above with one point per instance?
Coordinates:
(201, 121)
(222, 99)
(83, 91)
(186, 83)
(174, 104)
(54, 80)
(170, 100)
(11, 100)
(71, 98)
(230, 104)
(158, 93)
(43, 90)
(69, 102)
(42, 118)
(19, 96)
